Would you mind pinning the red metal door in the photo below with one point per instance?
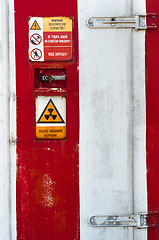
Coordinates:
(152, 116)
(47, 169)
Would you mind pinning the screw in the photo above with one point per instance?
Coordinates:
(12, 140)
(90, 22)
(50, 78)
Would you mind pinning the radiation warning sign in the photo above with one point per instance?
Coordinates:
(51, 117)
(53, 35)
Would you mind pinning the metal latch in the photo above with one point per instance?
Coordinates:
(50, 78)
(140, 22)
(139, 220)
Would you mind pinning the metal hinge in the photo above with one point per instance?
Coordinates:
(140, 22)
(139, 220)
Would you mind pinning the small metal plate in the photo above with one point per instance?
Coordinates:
(139, 220)
(136, 22)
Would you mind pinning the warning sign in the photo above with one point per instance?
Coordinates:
(51, 117)
(36, 54)
(36, 46)
(56, 38)
(36, 39)
(50, 114)
(35, 26)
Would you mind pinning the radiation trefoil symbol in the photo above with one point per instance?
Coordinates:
(50, 114)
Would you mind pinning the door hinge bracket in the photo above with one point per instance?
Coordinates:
(139, 220)
(139, 22)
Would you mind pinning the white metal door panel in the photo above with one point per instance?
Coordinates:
(112, 119)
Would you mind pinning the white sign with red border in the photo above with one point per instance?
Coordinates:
(36, 52)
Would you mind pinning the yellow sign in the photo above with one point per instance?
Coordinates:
(57, 24)
(35, 26)
(51, 132)
(51, 124)
(50, 114)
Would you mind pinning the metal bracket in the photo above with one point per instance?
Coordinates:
(139, 220)
(140, 22)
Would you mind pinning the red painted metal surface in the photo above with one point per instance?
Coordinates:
(152, 117)
(47, 171)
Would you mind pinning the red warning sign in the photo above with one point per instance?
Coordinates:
(57, 38)
(36, 54)
(57, 45)
(36, 39)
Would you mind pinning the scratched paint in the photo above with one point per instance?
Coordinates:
(48, 188)
(47, 170)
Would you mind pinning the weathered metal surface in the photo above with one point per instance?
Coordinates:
(47, 170)
(112, 117)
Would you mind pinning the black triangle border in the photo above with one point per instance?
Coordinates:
(33, 24)
(56, 111)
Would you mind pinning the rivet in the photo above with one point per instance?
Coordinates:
(90, 22)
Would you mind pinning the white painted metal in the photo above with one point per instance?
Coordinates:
(2, 162)
(112, 119)
(5, 116)
(12, 82)
(7, 122)
(139, 120)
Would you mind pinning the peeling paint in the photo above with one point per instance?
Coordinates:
(48, 188)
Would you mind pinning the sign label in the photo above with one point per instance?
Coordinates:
(53, 35)
(51, 117)
(35, 26)
(36, 39)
